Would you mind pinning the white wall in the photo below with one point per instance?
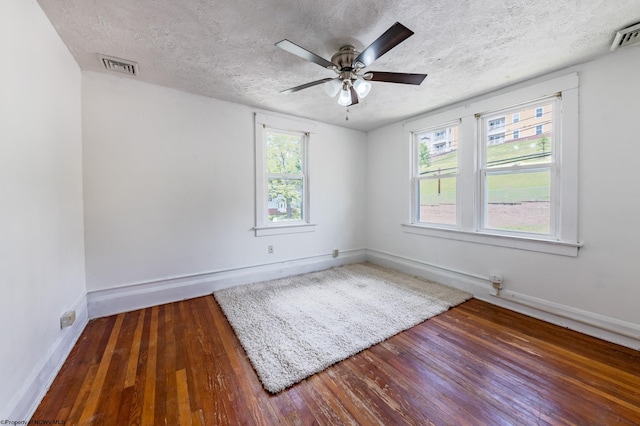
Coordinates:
(603, 280)
(169, 193)
(41, 227)
(169, 186)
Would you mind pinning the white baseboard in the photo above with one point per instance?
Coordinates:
(600, 326)
(26, 399)
(143, 295)
(606, 328)
(123, 299)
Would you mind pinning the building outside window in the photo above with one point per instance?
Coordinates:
(497, 123)
(496, 139)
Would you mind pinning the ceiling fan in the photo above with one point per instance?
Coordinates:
(352, 82)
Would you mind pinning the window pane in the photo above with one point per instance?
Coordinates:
(437, 151)
(437, 200)
(284, 152)
(523, 141)
(285, 199)
(519, 201)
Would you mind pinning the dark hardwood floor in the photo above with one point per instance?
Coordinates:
(476, 364)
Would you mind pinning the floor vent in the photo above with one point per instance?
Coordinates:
(119, 65)
(626, 37)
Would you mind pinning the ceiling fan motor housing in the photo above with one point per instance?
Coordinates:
(345, 57)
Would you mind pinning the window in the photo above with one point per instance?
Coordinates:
(517, 179)
(435, 175)
(496, 124)
(282, 176)
(512, 185)
(496, 139)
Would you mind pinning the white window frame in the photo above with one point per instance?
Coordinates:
(565, 241)
(484, 171)
(416, 178)
(263, 226)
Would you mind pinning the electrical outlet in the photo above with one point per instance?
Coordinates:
(270, 249)
(67, 319)
(336, 252)
(496, 283)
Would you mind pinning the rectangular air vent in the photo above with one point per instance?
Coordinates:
(119, 65)
(627, 36)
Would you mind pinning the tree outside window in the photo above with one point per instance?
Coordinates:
(285, 177)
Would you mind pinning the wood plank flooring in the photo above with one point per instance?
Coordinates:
(476, 364)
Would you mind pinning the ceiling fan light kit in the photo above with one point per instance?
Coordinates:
(362, 88)
(345, 97)
(352, 83)
(332, 87)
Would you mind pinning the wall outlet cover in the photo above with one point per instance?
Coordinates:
(67, 319)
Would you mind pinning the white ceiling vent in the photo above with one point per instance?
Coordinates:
(626, 37)
(122, 66)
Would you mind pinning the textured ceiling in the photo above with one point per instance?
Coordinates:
(225, 49)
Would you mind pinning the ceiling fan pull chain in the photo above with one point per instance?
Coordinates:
(346, 117)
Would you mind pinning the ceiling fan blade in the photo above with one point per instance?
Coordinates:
(306, 86)
(354, 96)
(395, 77)
(395, 35)
(304, 53)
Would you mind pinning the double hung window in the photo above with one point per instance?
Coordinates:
(518, 178)
(282, 175)
(507, 182)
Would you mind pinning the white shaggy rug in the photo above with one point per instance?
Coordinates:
(294, 327)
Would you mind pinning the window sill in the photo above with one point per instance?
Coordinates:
(297, 228)
(562, 248)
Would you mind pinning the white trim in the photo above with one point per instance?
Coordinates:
(140, 295)
(600, 326)
(562, 248)
(287, 228)
(609, 324)
(27, 398)
(143, 295)
(569, 148)
(284, 123)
